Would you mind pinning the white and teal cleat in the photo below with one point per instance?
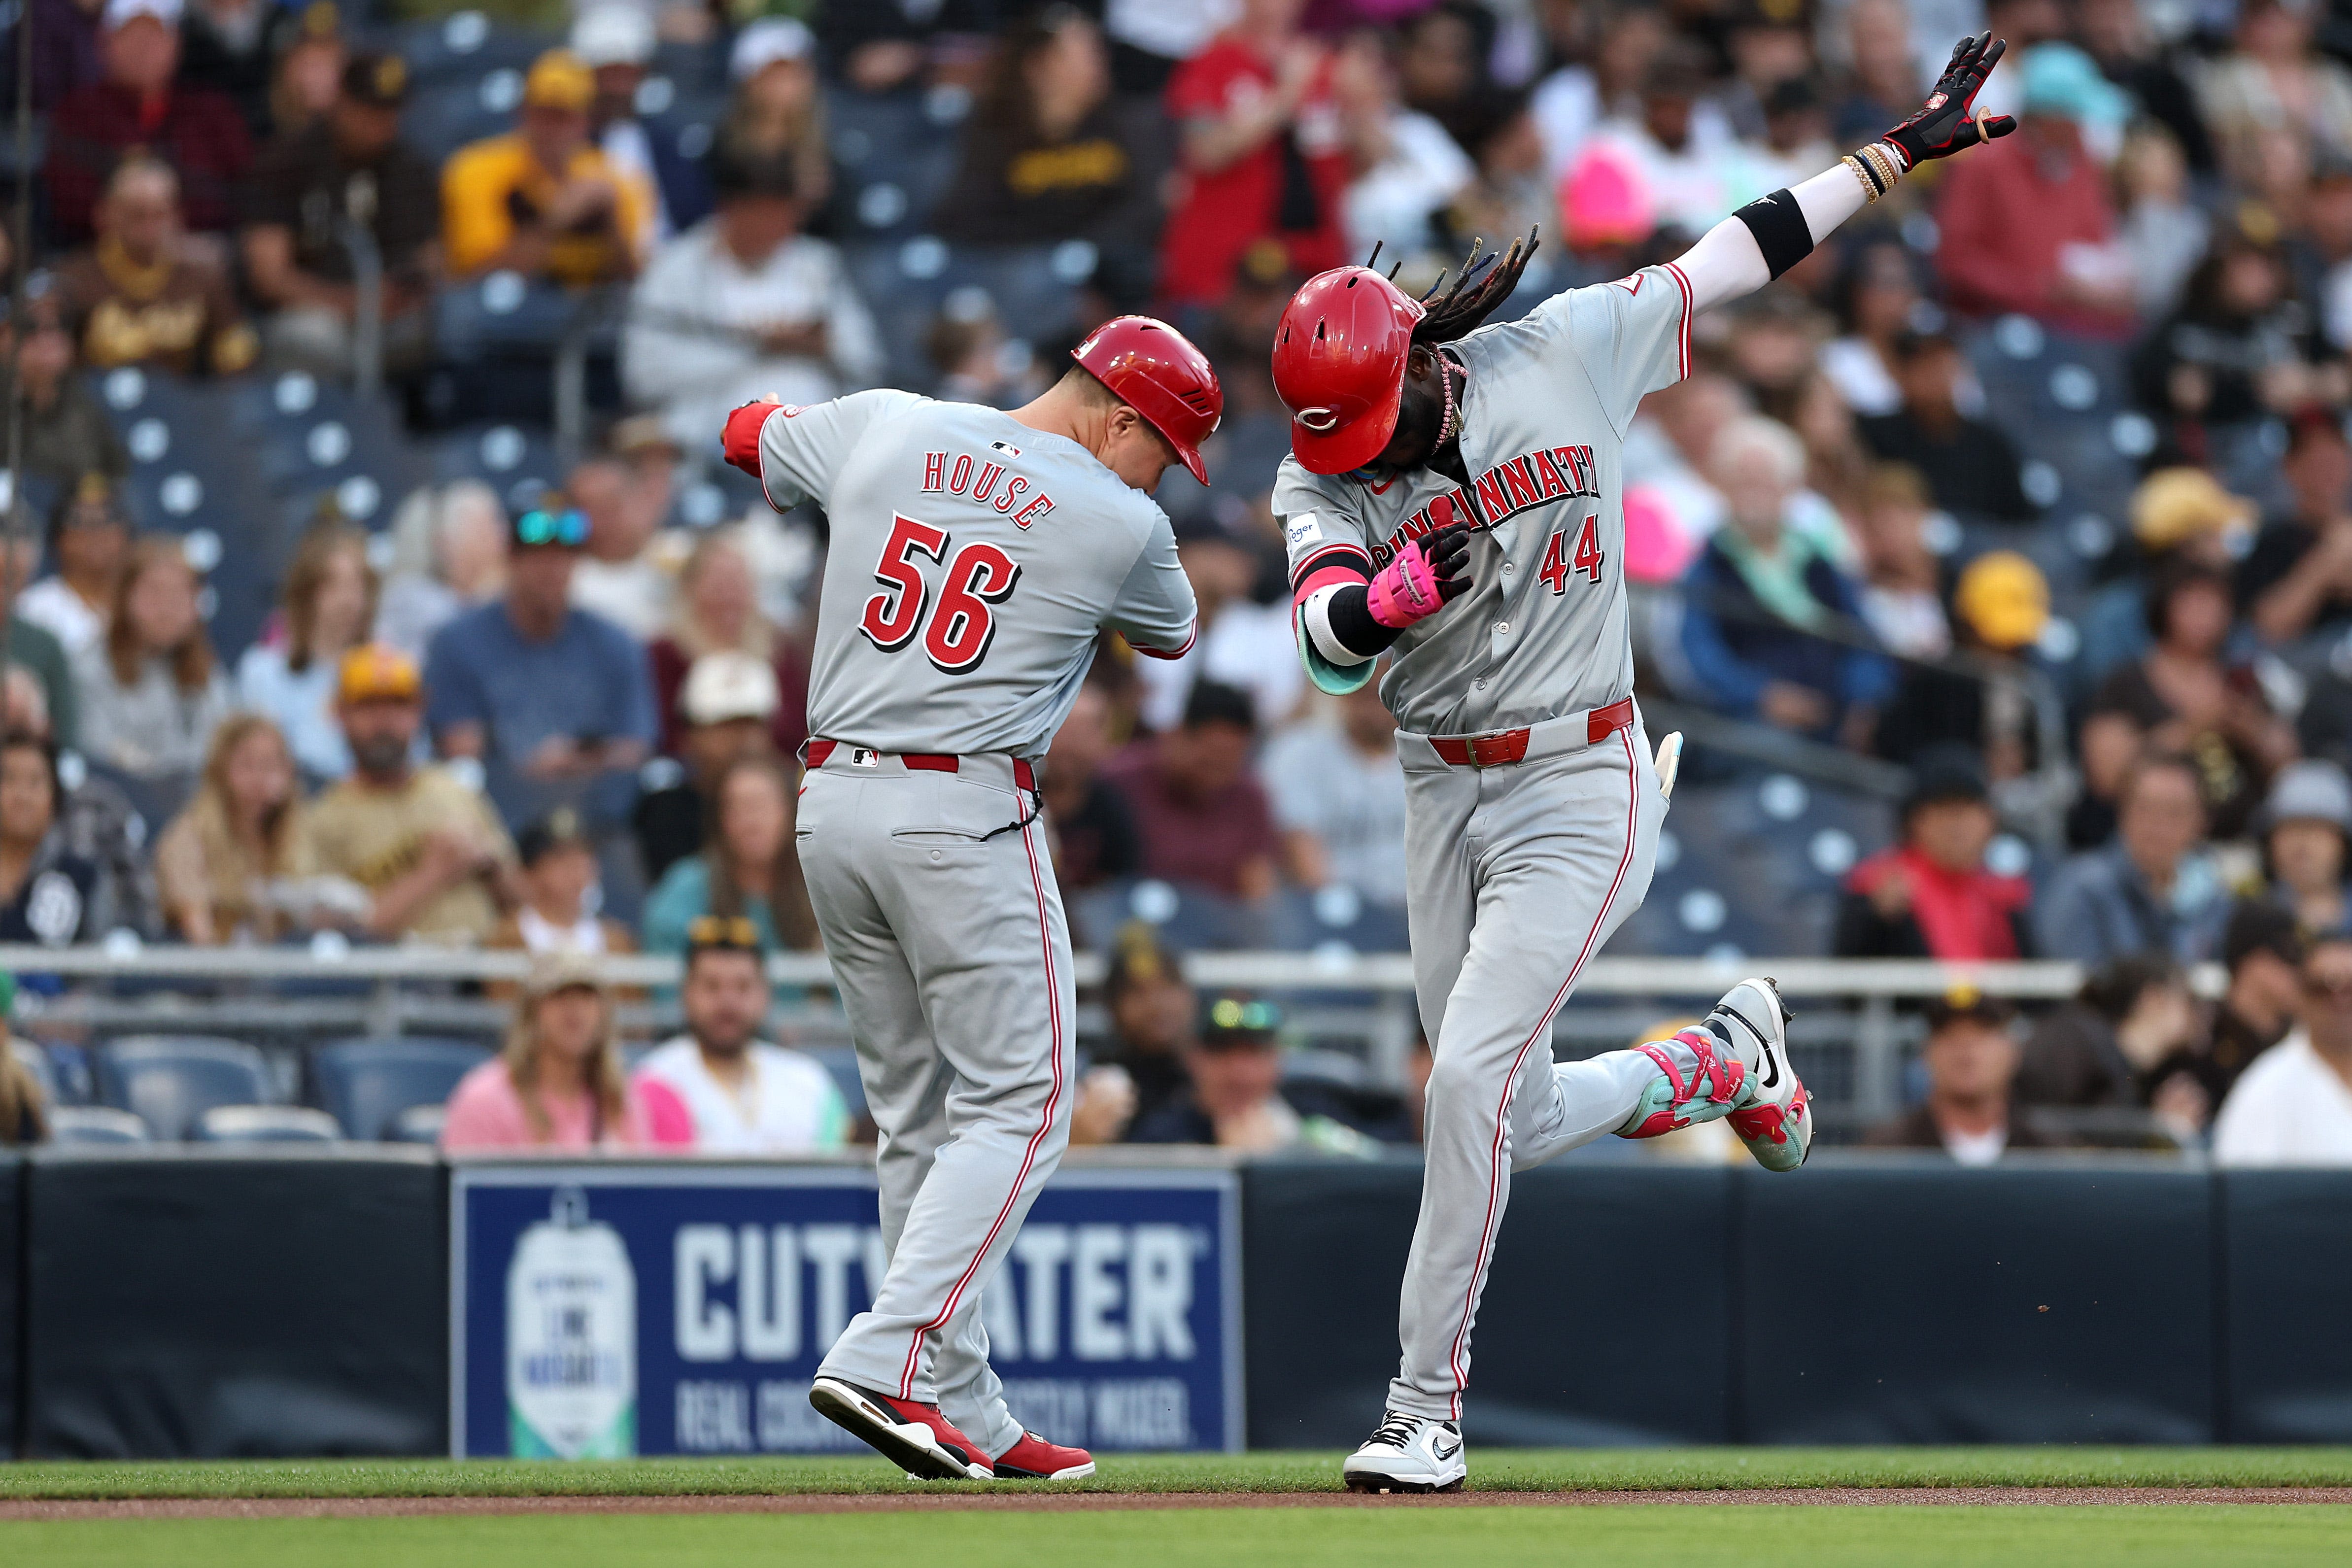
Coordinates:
(1770, 1115)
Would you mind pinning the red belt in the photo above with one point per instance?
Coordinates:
(1511, 745)
(1024, 775)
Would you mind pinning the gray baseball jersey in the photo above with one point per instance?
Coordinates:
(972, 560)
(1541, 630)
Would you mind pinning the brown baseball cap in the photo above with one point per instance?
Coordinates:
(377, 80)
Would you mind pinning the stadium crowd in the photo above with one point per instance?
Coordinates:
(2034, 483)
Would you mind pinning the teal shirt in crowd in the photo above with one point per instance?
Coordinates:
(683, 897)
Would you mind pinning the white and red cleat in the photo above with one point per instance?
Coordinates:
(1771, 1114)
(1034, 1460)
(912, 1435)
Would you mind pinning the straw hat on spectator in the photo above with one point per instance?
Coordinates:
(564, 970)
(728, 686)
(2173, 506)
(765, 42)
(2004, 599)
(613, 35)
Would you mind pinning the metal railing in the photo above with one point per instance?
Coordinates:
(1853, 1036)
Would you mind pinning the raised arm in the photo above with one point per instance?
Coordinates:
(1772, 234)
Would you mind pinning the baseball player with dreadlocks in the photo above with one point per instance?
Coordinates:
(1454, 500)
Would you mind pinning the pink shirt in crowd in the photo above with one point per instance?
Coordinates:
(485, 1113)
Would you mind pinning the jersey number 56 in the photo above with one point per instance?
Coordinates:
(956, 629)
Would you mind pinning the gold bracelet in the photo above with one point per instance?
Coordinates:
(1885, 161)
(1869, 187)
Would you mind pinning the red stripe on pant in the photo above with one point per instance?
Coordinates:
(1503, 1109)
(1029, 1156)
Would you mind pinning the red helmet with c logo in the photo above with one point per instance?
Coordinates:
(1155, 370)
(1339, 366)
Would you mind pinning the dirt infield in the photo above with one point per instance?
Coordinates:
(1044, 1501)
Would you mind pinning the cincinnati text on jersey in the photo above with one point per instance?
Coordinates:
(1532, 479)
(976, 479)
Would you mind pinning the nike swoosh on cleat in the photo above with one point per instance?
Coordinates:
(1771, 1068)
(1447, 1453)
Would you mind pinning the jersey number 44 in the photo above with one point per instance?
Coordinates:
(958, 625)
(1586, 560)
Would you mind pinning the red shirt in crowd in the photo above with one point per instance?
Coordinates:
(2009, 210)
(1287, 188)
(1963, 916)
(1206, 842)
(196, 131)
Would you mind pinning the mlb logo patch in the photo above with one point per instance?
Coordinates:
(862, 757)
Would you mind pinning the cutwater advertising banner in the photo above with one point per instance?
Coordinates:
(598, 1310)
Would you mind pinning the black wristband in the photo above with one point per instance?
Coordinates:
(1780, 230)
(1350, 612)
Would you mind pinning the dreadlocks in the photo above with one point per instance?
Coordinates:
(1485, 282)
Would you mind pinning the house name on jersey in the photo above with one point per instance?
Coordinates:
(1532, 479)
(986, 480)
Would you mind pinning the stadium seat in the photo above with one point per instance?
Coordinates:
(518, 462)
(367, 1085)
(96, 1124)
(417, 1124)
(264, 1124)
(170, 1080)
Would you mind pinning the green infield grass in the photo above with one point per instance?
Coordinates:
(1492, 1469)
(1732, 1537)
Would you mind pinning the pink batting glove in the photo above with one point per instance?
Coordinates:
(1405, 589)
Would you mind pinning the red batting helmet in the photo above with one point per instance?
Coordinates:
(1339, 366)
(1155, 370)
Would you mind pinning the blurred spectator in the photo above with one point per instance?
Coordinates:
(350, 171)
(2275, 80)
(2306, 824)
(23, 1117)
(1681, 150)
(1205, 818)
(2154, 889)
(2107, 746)
(135, 104)
(556, 871)
(67, 432)
(1234, 1097)
(34, 652)
(2264, 950)
(1241, 643)
(1140, 1070)
(559, 1083)
(728, 705)
(743, 305)
(616, 574)
(1569, 104)
(232, 46)
(309, 70)
(151, 693)
(65, 51)
(2178, 513)
(778, 110)
(144, 294)
(2117, 33)
(2298, 577)
(717, 610)
(1970, 465)
(1931, 895)
(241, 832)
(1796, 145)
(1763, 601)
(2293, 1105)
(48, 893)
(329, 604)
(551, 699)
(2027, 226)
(2321, 253)
(95, 819)
(1900, 597)
(1095, 839)
(615, 42)
(2101, 1049)
(543, 200)
(1047, 155)
(449, 555)
(424, 847)
(1405, 168)
(1338, 796)
(2234, 350)
(1879, 302)
(1264, 154)
(1985, 703)
(747, 868)
(2163, 229)
(1511, 193)
(1440, 63)
(2190, 698)
(738, 1093)
(1970, 1056)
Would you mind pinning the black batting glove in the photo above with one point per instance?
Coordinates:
(1947, 123)
(1448, 553)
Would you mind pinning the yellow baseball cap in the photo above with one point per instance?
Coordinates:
(377, 672)
(2004, 599)
(559, 80)
(2174, 505)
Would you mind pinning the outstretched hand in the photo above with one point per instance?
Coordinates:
(1948, 121)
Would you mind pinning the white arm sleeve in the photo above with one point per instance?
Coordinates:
(1314, 615)
(1726, 263)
